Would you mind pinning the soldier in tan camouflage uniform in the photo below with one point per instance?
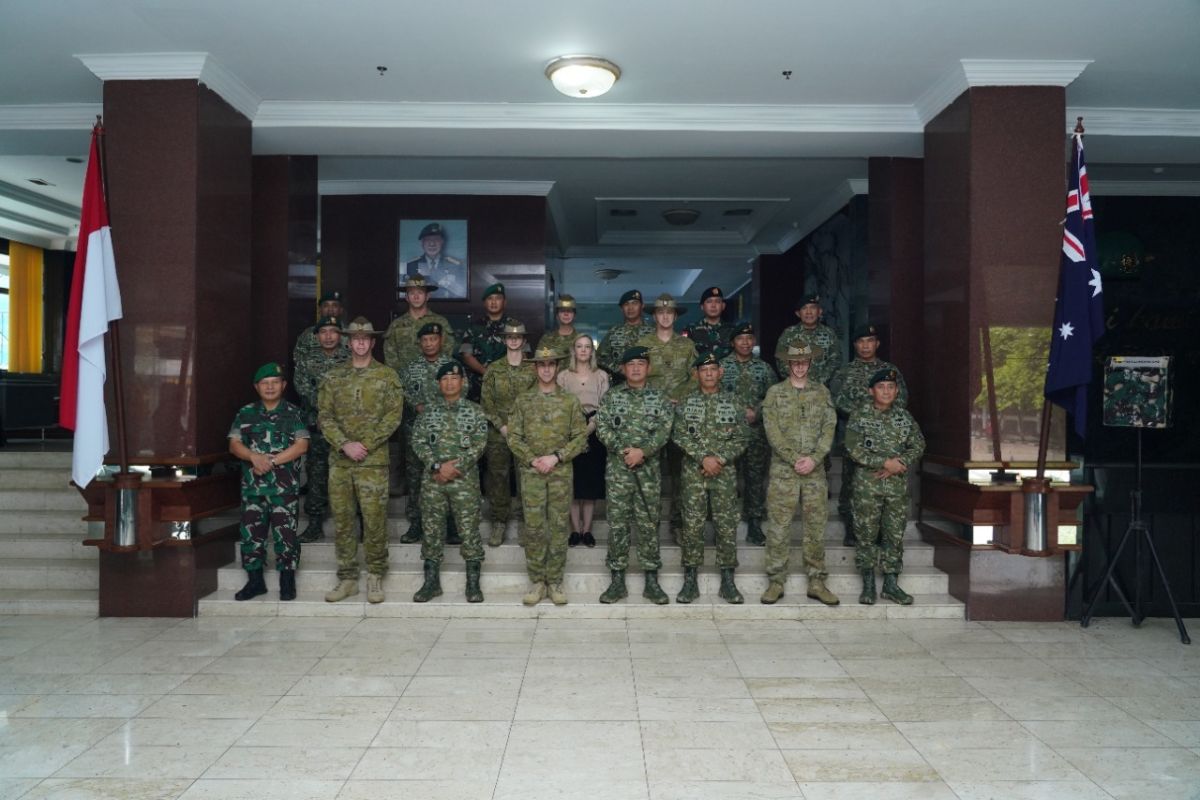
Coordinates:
(547, 431)
(360, 404)
(749, 377)
(310, 371)
(800, 420)
(419, 379)
(624, 336)
(505, 380)
(710, 429)
(811, 331)
(563, 335)
(400, 346)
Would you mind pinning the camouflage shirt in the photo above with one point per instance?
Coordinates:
(308, 349)
(360, 405)
(749, 380)
(850, 386)
(502, 384)
(874, 436)
(670, 364)
(547, 422)
(619, 339)
(484, 339)
(269, 432)
(711, 338)
(821, 336)
(446, 432)
(400, 346)
(638, 418)
(311, 368)
(799, 422)
(710, 425)
(420, 383)
(558, 341)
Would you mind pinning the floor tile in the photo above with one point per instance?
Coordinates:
(930, 790)
(1032, 762)
(149, 762)
(723, 764)
(888, 766)
(1028, 790)
(317, 761)
(398, 763)
(263, 789)
(723, 790)
(107, 789)
(431, 789)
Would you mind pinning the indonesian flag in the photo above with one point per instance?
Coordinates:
(95, 302)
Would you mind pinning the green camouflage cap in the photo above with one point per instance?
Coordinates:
(453, 368)
(708, 358)
(882, 375)
(548, 353)
(634, 353)
(432, 229)
(808, 299)
(332, 296)
(630, 296)
(794, 352)
(361, 325)
(326, 322)
(269, 370)
(495, 288)
(430, 329)
(863, 331)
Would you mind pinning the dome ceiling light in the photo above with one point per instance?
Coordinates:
(582, 76)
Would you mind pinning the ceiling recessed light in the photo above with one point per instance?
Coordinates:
(681, 216)
(622, 212)
(74, 160)
(41, 182)
(737, 212)
(582, 76)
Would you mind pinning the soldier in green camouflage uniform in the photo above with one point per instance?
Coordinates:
(851, 393)
(562, 338)
(634, 423)
(419, 379)
(624, 336)
(483, 341)
(307, 345)
(270, 437)
(884, 440)
(547, 430)
(711, 334)
(749, 377)
(310, 371)
(812, 332)
(799, 417)
(359, 406)
(448, 440)
(710, 429)
(506, 379)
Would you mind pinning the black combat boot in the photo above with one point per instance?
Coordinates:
(287, 584)
(413, 534)
(754, 533)
(729, 590)
(892, 591)
(315, 532)
(652, 591)
(689, 591)
(867, 598)
(433, 583)
(474, 593)
(849, 539)
(254, 585)
(616, 590)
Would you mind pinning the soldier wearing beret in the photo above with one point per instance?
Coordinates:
(634, 423)
(799, 418)
(624, 336)
(483, 341)
(359, 406)
(546, 432)
(710, 429)
(506, 379)
(749, 378)
(419, 379)
(711, 334)
(563, 336)
(851, 393)
(884, 441)
(448, 440)
(269, 436)
(309, 374)
(307, 344)
(811, 331)
(435, 266)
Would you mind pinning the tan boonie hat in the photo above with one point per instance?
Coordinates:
(797, 352)
(665, 300)
(361, 325)
(417, 282)
(547, 353)
(514, 328)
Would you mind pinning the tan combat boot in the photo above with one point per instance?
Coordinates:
(345, 588)
(497, 536)
(772, 594)
(535, 594)
(557, 595)
(817, 590)
(375, 589)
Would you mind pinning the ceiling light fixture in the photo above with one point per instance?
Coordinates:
(681, 216)
(582, 76)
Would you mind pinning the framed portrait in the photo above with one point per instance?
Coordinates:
(437, 250)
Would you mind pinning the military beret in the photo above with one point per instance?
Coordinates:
(514, 328)
(333, 296)
(325, 322)
(863, 331)
(430, 328)
(565, 302)
(665, 300)
(814, 299)
(269, 370)
(631, 295)
(797, 352)
(634, 353)
(432, 229)
(743, 329)
(547, 353)
(882, 375)
(361, 325)
(708, 358)
(452, 368)
(495, 288)
(712, 291)
(417, 282)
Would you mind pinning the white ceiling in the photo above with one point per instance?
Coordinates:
(702, 114)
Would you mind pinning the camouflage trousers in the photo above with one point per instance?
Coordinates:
(880, 516)
(414, 474)
(752, 469)
(783, 491)
(316, 465)
(460, 498)
(633, 504)
(269, 515)
(496, 476)
(547, 503)
(701, 496)
(672, 464)
(366, 487)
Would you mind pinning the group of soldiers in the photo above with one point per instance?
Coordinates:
(695, 407)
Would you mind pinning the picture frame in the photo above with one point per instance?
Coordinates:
(438, 250)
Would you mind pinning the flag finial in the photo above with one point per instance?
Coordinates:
(1079, 125)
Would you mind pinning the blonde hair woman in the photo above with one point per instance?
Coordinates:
(584, 379)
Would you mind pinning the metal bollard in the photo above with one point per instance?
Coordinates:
(1036, 500)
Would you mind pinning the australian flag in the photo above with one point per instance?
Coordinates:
(1079, 308)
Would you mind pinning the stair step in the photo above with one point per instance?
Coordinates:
(55, 546)
(42, 459)
(62, 602)
(66, 498)
(36, 478)
(49, 573)
(50, 522)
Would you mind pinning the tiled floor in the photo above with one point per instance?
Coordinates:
(653, 709)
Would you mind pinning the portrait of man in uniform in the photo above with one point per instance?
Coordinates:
(425, 249)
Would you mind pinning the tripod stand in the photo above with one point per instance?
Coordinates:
(1139, 531)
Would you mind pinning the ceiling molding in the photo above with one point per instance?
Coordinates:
(33, 222)
(200, 67)
(614, 254)
(659, 237)
(1144, 188)
(495, 188)
(1136, 121)
(940, 94)
(994, 72)
(35, 239)
(50, 117)
(27, 197)
(820, 212)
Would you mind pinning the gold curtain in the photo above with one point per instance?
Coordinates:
(24, 308)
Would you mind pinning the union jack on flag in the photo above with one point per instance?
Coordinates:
(1079, 307)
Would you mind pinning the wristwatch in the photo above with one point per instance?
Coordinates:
(271, 458)
(435, 466)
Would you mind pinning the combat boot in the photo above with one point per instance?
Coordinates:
(535, 594)
(754, 533)
(345, 588)
(315, 532)
(892, 591)
(497, 537)
(287, 584)
(652, 591)
(867, 598)
(375, 588)
(773, 593)
(432, 587)
(817, 590)
(616, 590)
(689, 591)
(849, 539)
(729, 590)
(452, 536)
(414, 533)
(474, 593)
(556, 593)
(254, 585)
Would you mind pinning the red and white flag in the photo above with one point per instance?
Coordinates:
(95, 302)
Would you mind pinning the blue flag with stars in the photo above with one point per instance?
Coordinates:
(1079, 307)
